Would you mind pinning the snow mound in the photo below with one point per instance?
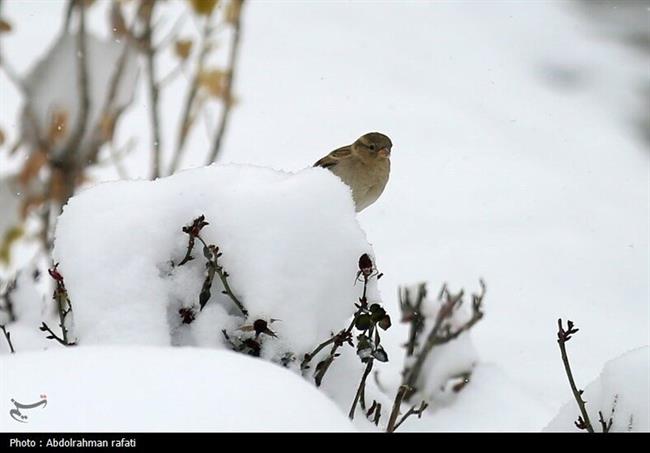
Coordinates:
(622, 387)
(290, 244)
(159, 389)
(490, 402)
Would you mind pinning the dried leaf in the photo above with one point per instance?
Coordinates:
(32, 166)
(118, 24)
(233, 11)
(5, 27)
(58, 185)
(29, 203)
(213, 81)
(203, 7)
(182, 48)
(11, 236)
(58, 126)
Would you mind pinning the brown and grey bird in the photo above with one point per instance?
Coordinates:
(364, 166)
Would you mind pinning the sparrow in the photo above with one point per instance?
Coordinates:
(364, 166)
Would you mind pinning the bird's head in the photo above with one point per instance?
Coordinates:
(374, 144)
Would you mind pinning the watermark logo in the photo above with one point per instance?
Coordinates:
(22, 417)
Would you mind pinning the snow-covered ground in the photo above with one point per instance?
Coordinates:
(135, 389)
(513, 161)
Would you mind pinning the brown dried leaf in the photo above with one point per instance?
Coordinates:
(233, 11)
(118, 24)
(58, 126)
(213, 81)
(57, 185)
(33, 165)
(12, 235)
(107, 126)
(144, 10)
(182, 48)
(29, 203)
(5, 26)
(203, 7)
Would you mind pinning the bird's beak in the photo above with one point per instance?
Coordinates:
(384, 152)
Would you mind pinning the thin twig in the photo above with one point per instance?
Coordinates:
(109, 113)
(186, 116)
(361, 389)
(8, 306)
(394, 413)
(153, 91)
(412, 411)
(308, 357)
(562, 337)
(8, 337)
(64, 305)
(52, 336)
(393, 423)
(67, 163)
(215, 267)
(411, 313)
(69, 8)
(227, 96)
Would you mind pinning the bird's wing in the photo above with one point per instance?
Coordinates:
(334, 157)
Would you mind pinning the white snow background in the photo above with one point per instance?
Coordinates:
(501, 168)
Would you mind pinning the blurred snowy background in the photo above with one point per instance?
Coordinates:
(521, 155)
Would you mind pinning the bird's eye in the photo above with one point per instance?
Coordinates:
(371, 146)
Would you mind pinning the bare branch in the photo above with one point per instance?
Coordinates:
(5, 295)
(67, 163)
(154, 94)
(361, 388)
(562, 337)
(8, 338)
(186, 117)
(230, 76)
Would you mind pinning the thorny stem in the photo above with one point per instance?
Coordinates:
(227, 97)
(8, 337)
(563, 337)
